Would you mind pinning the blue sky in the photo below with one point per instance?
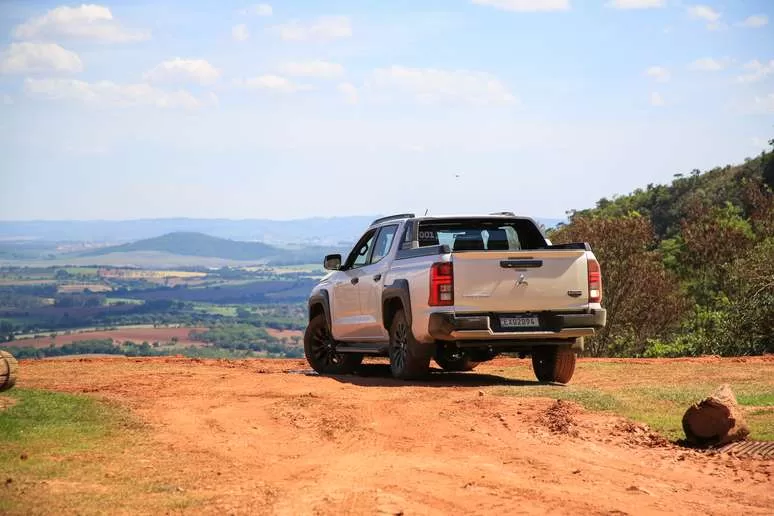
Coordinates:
(290, 109)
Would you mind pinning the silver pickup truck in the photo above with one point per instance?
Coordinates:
(456, 289)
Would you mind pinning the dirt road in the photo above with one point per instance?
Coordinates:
(260, 436)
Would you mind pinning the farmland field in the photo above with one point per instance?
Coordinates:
(262, 437)
(138, 335)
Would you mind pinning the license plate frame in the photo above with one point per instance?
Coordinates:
(519, 322)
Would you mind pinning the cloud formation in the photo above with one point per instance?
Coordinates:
(85, 22)
(108, 93)
(27, 58)
(183, 70)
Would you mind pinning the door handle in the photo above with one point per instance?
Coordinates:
(377, 277)
(354, 281)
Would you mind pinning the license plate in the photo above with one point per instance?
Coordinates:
(519, 322)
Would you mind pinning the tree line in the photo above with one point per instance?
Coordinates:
(688, 267)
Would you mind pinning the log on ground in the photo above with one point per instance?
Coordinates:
(716, 420)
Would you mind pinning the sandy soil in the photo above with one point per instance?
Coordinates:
(261, 436)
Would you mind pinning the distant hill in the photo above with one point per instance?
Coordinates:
(195, 244)
(191, 244)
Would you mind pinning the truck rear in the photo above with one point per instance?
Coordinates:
(496, 285)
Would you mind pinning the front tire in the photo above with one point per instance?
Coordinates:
(320, 350)
(409, 360)
(553, 364)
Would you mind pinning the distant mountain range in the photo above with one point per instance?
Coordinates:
(310, 231)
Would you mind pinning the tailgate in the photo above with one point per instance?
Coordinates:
(520, 281)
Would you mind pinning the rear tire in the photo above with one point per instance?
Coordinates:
(409, 359)
(554, 364)
(320, 350)
(454, 360)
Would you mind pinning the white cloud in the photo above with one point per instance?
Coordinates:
(659, 73)
(240, 32)
(29, 57)
(88, 21)
(703, 12)
(349, 91)
(258, 10)
(107, 93)
(656, 99)
(432, 85)
(324, 28)
(757, 71)
(707, 64)
(636, 4)
(7, 100)
(708, 14)
(183, 70)
(323, 69)
(526, 5)
(273, 83)
(755, 21)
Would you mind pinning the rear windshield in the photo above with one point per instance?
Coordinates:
(481, 234)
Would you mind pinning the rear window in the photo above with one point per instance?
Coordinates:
(480, 234)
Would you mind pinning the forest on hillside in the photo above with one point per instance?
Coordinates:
(688, 267)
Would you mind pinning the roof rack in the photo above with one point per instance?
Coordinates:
(508, 213)
(393, 217)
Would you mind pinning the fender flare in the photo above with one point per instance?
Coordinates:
(399, 289)
(322, 299)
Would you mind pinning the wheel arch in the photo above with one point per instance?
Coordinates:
(319, 303)
(394, 298)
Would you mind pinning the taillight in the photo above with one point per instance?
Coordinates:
(441, 284)
(595, 281)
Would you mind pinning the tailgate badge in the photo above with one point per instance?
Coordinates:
(575, 293)
(522, 281)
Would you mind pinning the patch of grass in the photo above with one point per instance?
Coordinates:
(50, 436)
(758, 399)
(658, 394)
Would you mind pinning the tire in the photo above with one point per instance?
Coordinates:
(409, 360)
(320, 350)
(553, 364)
(454, 360)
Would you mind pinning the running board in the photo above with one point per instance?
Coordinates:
(376, 349)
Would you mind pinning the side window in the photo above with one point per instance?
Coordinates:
(384, 242)
(359, 255)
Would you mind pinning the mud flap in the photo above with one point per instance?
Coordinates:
(578, 345)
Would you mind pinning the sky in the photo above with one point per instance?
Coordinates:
(292, 109)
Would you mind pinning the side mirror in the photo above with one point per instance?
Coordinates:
(332, 262)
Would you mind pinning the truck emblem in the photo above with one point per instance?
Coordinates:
(522, 281)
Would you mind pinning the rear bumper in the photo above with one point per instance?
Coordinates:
(485, 327)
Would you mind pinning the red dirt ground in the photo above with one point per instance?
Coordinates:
(262, 437)
(136, 335)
